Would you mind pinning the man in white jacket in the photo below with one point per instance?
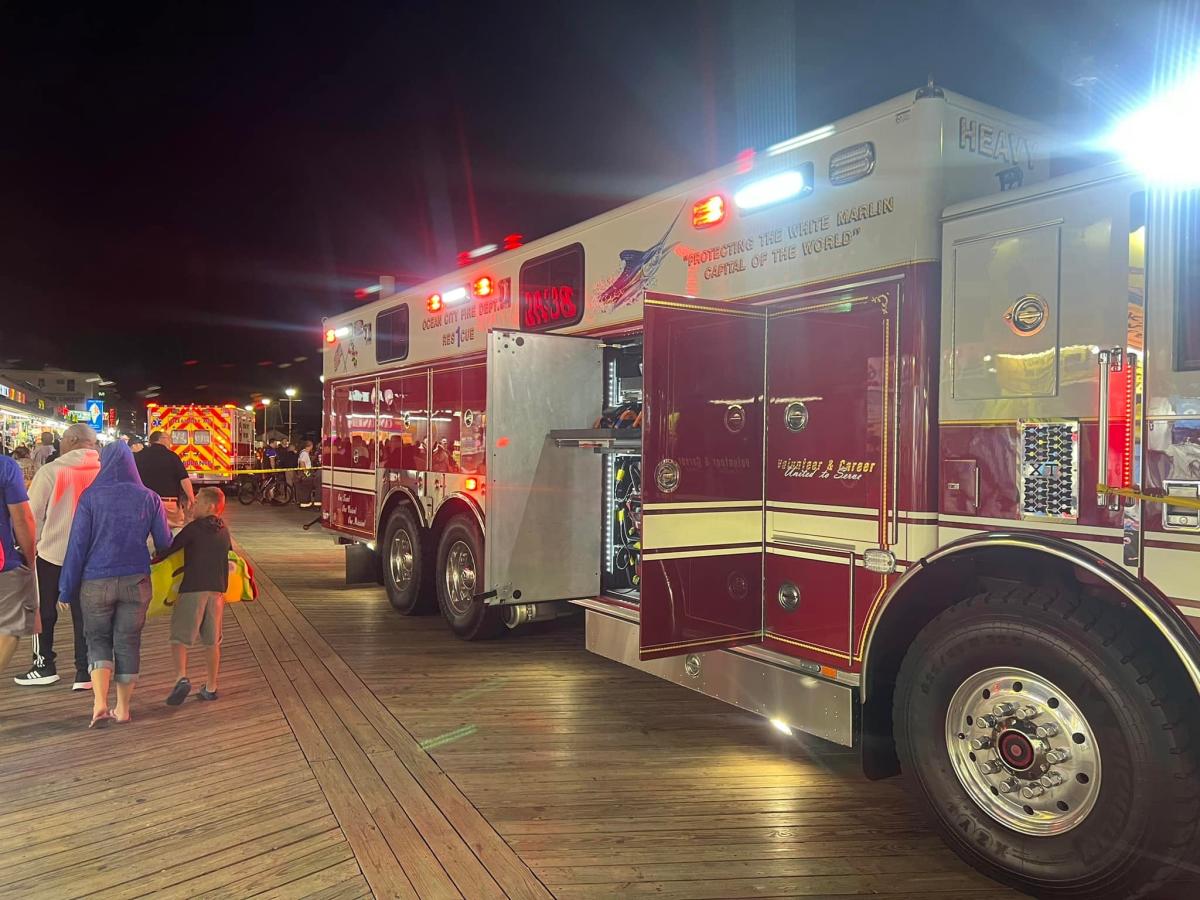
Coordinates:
(54, 494)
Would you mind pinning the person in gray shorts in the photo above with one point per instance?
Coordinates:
(18, 590)
(198, 613)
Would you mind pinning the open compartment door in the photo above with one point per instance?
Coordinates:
(542, 501)
(702, 514)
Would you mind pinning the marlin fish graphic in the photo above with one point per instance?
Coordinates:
(640, 267)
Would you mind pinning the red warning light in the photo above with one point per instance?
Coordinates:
(513, 241)
(745, 161)
(360, 293)
(471, 483)
(434, 303)
(708, 212)
(483, 286)
(331, 336)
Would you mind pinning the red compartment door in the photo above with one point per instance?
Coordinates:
(702, 477)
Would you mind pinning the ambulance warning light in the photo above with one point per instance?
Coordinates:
(434, 303)
(708, 212)
(483, 286)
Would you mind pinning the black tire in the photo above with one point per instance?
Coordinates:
(471, 620)
(284, 494)
(1133, 696)
(407, 597)
(246, 492)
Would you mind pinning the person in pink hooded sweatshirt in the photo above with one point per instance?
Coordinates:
(54, 495)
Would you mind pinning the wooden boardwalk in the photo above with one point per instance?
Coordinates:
(355, 752)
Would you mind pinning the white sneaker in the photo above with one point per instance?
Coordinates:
(36, 676)
(81, 686)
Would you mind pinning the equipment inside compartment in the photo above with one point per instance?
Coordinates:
(622, 545)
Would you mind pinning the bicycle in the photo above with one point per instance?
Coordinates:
(270, 490)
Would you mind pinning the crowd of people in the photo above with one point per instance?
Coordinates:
(81, 538)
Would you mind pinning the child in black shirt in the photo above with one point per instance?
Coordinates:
(198, 612)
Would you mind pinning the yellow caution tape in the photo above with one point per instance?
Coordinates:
(230, 473)
(1182, 502)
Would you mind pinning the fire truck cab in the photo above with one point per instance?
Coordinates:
(881, 434)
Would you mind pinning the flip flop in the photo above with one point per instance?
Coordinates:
(179, 692)
(101, 720)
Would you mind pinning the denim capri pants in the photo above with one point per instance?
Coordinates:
(114, 613)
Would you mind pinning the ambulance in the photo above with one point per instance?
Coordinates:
(216, 443)
(881, 433)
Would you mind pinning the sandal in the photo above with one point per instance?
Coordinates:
(101, 720)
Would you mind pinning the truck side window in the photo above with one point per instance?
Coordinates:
(1187, 286)
(391, 334)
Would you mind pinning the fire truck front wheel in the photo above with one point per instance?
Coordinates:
(402, 557)
(460, 580)
(1050, 738)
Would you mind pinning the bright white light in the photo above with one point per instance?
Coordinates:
(483, 251)
(800, 140)
(322, 377)
(266, 401)
(291, 392)
(342, 332)
(781, 726)
(249, 407)
(1159, 139)
(454, 295)
(772, 189)
(370, 545)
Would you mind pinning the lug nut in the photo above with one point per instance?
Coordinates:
(1004, 709)
(1048, 730)
(986, 721)
(1009, 785)
(990, 767)
(1025, 713)
(1032, 791)
(1057, 756)
(981, 743)
(1051, 780)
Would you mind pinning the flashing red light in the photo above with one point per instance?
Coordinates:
(745, 161)
(708, 212)
(434, 303)
(464, 259)
(513, 241)
(360, 293)
(471, 483)
(483, 286)
(331, 336)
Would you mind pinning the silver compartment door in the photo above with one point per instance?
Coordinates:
(542, 501)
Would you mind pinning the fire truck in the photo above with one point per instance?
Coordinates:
(881, 433)
(214, 442)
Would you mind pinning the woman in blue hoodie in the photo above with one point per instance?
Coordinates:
(107, 567)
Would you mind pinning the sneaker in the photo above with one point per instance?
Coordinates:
(36, 677)
(179, 692)
(82, 684)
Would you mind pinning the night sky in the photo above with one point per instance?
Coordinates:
(203, 182)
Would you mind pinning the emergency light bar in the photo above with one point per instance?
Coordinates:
(774, 189)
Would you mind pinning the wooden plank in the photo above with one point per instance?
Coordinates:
(379, 866)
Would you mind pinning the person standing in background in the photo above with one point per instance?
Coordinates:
(54, 495)
(25, 461)
(44, 451)
(305, 483)
(18, 592)
(163, 472)
(107, 572)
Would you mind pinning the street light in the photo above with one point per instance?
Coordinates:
(291, 397)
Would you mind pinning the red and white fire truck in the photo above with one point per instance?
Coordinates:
(214, 442)
(882, 434)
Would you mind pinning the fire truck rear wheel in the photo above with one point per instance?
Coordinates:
(402, 556)
(1050, 738)
(460, 579)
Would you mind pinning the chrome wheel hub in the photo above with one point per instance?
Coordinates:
(400, 559)
(460, 577)
(1023, 751)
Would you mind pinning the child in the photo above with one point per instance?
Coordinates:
(198, 612)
